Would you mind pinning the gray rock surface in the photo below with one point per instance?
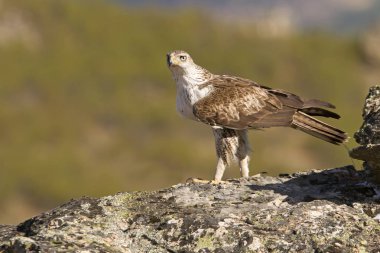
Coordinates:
(369, 132)
(321, 211)
(369, 135)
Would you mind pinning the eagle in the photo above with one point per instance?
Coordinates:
(232, 105)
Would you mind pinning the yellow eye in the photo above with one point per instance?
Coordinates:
(182, 57)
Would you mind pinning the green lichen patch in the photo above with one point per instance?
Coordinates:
(205, 242)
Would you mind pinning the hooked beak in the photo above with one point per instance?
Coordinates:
(168, 59)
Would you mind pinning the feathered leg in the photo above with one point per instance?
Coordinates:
(220, 168)
(243, 152)
(231, 145)
(223, 139)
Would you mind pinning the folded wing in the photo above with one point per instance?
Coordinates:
(239, 103)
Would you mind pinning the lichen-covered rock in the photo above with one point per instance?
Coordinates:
(369, 135)
(320, 211)
(369, 132)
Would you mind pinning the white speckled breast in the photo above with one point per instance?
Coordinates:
(187, 95)
(184, 106)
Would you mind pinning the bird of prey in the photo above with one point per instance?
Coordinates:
(232, 105)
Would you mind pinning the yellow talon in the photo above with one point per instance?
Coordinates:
(202, 181)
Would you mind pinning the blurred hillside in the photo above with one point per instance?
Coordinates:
(339, 16)
(88, 105)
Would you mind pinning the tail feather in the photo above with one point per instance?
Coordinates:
(315, 111)
(317, 103)
(317, 128)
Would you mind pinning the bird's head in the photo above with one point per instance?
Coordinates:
(182, 66)
(179, 61)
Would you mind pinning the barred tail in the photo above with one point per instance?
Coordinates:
(317, 128)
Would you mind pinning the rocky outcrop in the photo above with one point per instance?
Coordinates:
(369, 135)
(336, 210)
(320, 211)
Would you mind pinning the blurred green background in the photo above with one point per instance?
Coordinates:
(88, 104)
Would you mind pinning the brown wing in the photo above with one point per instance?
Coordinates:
(240, 103)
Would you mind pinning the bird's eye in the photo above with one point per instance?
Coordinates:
(182, 57)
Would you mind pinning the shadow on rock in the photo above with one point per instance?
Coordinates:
(340, 185)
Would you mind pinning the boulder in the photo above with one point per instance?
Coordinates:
(334, 210)
(369, 135)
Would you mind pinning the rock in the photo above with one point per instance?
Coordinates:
(369, 135)
(320, 211)
(369, 132)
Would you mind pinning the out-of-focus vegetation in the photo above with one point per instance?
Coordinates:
(88, 105)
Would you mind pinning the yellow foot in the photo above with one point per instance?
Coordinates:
(202, 181)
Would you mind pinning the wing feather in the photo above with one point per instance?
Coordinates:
(235, 103)
(240, 103)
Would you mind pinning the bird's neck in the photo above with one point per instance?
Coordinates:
(190, 88)
(193, 77)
